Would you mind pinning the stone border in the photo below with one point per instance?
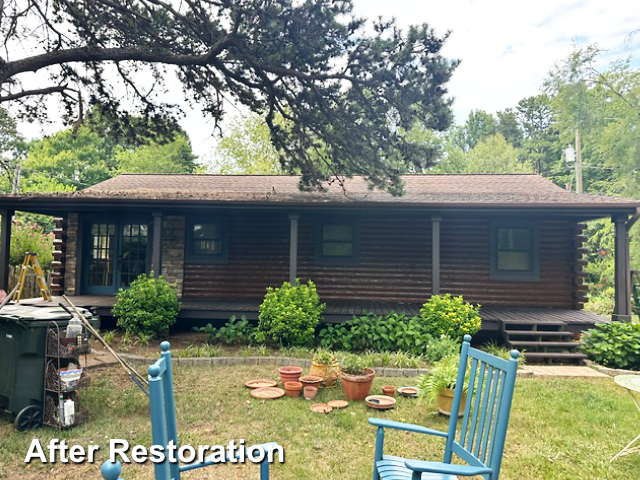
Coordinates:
(270, 360)
(612, 372)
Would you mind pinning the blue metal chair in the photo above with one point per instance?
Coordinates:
(163, 425)
(483, 428)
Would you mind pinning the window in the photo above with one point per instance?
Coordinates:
(207, 241)
(337, 243)
(514, 251)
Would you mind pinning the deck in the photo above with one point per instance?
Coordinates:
(222, 309)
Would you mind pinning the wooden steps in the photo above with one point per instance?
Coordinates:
(543, 341)
(532, 357)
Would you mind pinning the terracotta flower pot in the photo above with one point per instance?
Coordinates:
(328, 371)
(293, 389)
(311, 381)
(310, 393)
(357, 387)
(290, 373)
(389, 390)
(445, 402)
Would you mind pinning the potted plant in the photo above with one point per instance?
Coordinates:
(290, 373)
(356, 377)
(325, 364)
(439, 385)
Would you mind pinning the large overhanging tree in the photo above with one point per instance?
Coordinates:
(348, 89)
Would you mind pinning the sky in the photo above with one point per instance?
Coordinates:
(506, 48)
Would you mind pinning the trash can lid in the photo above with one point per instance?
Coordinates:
(47, 313)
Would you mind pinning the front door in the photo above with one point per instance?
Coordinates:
(115, 253)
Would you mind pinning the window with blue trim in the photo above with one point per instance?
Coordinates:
(337, 242)
(514, 251)
(207, 241)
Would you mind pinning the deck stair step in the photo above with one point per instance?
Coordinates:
(546, 323)
(555, 356)
(529, 344)
(537, 333)
(544, 340)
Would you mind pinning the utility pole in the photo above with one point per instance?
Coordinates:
(578, 162)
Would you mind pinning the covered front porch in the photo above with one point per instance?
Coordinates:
(493, 317)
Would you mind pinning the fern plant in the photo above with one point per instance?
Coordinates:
(444, 374)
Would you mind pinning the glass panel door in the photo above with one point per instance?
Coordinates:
(115, 255)
(100, 273)
(133, 252)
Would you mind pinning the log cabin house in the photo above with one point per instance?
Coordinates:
(512, 243)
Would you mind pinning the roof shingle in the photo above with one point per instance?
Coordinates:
(453, 190)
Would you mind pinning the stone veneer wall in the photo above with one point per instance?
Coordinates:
(71, 250)
(173, 244)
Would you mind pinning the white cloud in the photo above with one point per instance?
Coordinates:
(507, 47)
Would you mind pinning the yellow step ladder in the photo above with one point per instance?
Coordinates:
(31, 261)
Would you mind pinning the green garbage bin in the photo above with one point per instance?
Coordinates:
(23, 334)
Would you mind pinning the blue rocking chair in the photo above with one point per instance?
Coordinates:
(483, 429)
(163, 425)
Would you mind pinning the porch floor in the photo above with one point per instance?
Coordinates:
(338, 311)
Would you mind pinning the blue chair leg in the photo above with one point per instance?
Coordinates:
(378, 452)
(264, 470)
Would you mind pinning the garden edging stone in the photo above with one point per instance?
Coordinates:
(267, 360)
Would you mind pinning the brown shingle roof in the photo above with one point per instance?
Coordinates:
(453, 190)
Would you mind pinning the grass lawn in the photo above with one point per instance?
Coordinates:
(559, 429)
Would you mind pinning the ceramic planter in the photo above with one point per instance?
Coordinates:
(310, 393)
(328, 371)
(290, 373)
(357, 387)
(389, 390)
(311, 381)
(293, 389)
(445, 402)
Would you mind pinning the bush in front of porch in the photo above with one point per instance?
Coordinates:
(289, 315)
(149, 306)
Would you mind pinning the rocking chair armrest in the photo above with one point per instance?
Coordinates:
(208, 461)
(408, 427)
(446, 468)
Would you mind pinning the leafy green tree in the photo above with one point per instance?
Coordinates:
(509, 127)
(491, 155)
(541, 146)
(172, 157)
(247, 149)
(349, 89)
(479, 125)
(74, 159)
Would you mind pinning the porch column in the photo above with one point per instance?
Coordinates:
(5, 243)
(156, 246)
(622, 310)
(293, 248)
(435, 255)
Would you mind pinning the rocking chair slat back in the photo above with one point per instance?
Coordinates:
(484, 422)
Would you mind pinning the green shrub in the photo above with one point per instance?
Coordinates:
(393, 332)
(500, 351)
(30, 238)
(289, 315)
(234, 332)
(149, 306)
(614, 345)
(441, 347)
(601, 301)
(451, 316)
